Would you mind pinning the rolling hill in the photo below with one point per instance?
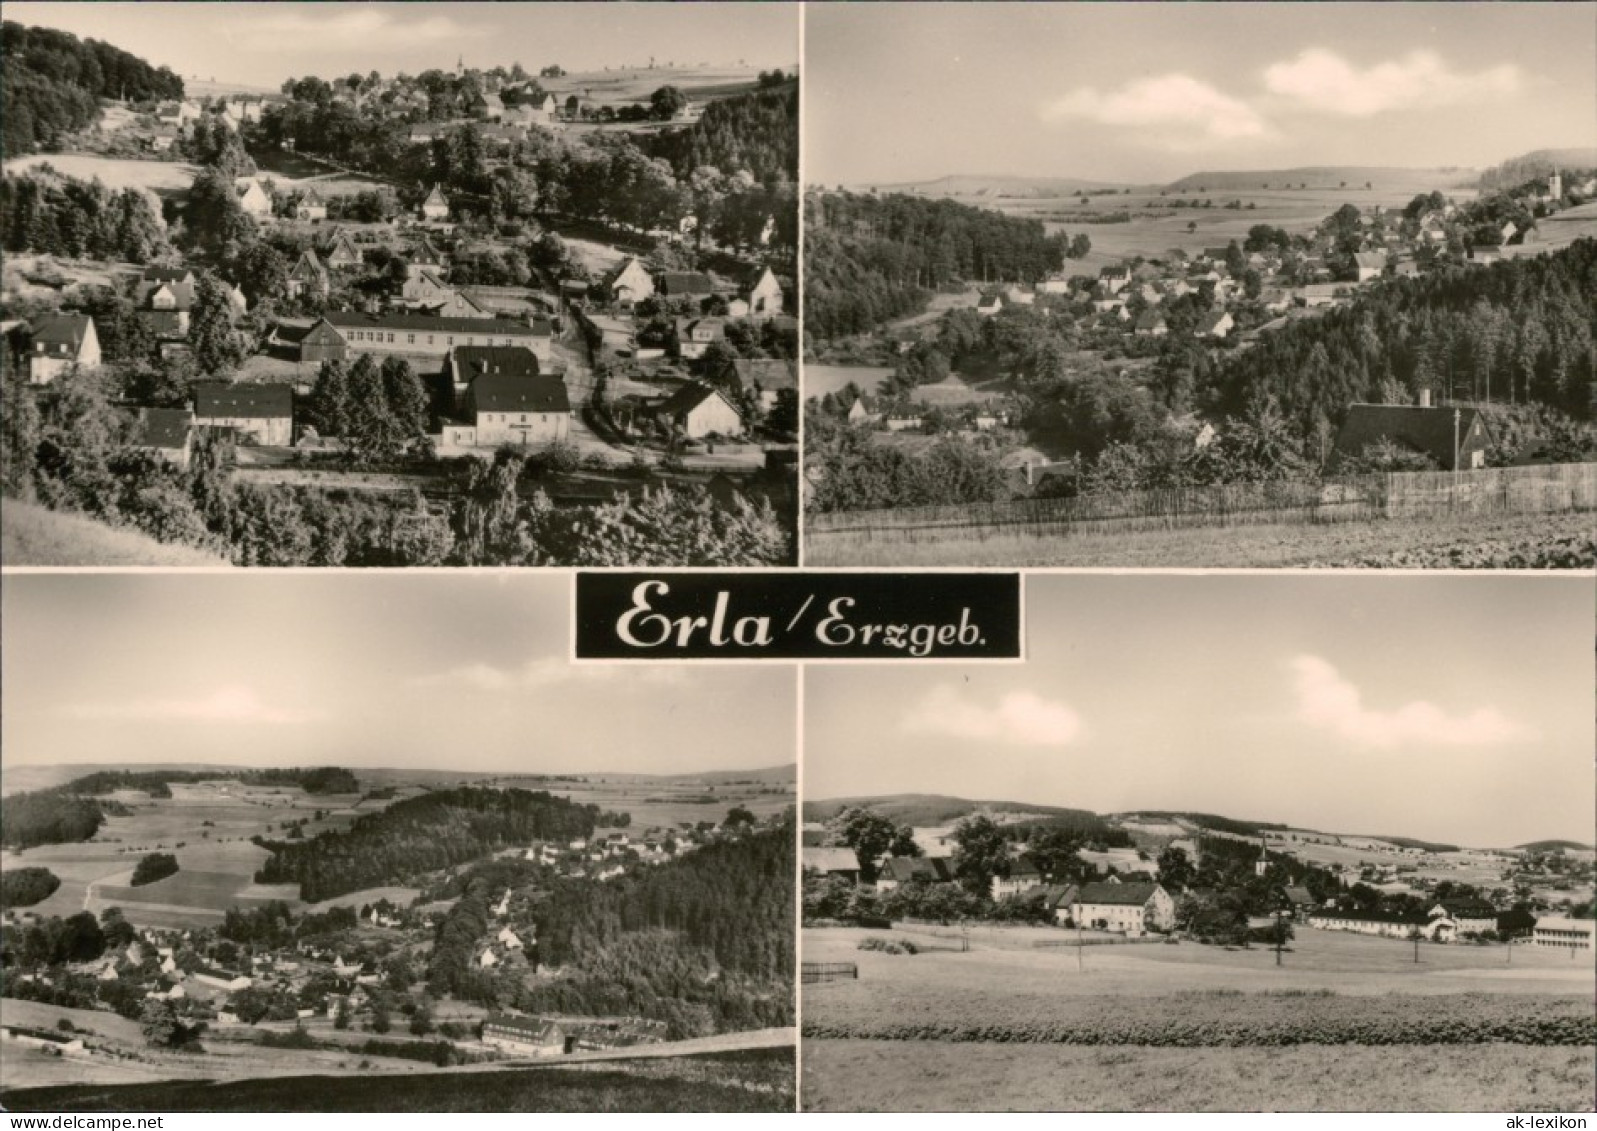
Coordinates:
(924, 809)
(997, 185)
(1325, 176)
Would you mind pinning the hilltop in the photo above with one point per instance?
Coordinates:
(1536, 163)
(998, 185)
(932, 808)
(1324, 176)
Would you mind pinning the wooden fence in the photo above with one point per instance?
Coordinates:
(1411, 494)
(812, 972)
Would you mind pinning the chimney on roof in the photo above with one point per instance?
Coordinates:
(1425, 397)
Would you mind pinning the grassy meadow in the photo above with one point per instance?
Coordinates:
(1158, 1027)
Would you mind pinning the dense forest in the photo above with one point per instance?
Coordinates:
(757, 132)
(51, 83)
(43, 211)
(422, 834)
(704, 943)
(870, 259)
(153, 867)
(23, 887)
(1533, 166)
(47, 817)
(1517, 331)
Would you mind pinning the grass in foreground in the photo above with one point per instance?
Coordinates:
(1431, 542)
(31, 535)
(857, 1075)
(761, 1080)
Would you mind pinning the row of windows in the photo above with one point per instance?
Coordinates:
(410, 339)
(513, 418)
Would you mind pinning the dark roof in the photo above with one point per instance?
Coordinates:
(526, 1026)
(768, 373)
(164, 323)
(1297, 894)
(686, 283)
(906, 868)
(166, 274)
(689, 397)
(246, 400)
(182, 293)
(353, 320)
(163, 428)
(1376, 917)
(1468, 908)
(1129, 895)
(498, 392)
(62, 329)
(468, 362)
(1428, 430)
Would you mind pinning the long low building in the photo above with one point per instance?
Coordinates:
(339, 334)
(263, 413)
(526, 1036)
(1384, 924)
(1564, 934)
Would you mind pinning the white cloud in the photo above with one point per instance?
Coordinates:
(1330, 702)
(552, 672)
(1323, 81)
(225, 705)
(1166, 102)
(339, 27)
(1020, 718)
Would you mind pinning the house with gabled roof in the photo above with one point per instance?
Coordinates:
(311, 206)
(766, 377)
(832, 860)
(1151, 324)
(694, 336)
(897, 870)
(763, 293)
(1455, 437)
(1134, 908)
(338, 251)
(263, 414)
(436, 206)
(59, 342)
(697, 410)
(990, 304)
(684, 284)
(253, 197)
(519, 410)
(630, 282)
(168, 434)
(1022, 878)
(308, 276)
(1369, 264)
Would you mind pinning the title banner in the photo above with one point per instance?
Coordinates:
(807, 615)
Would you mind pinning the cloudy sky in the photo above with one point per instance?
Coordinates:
(262, 44)
(1150, 92)
(461, 671)
(1452, 708)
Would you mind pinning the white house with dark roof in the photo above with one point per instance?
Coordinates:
(518, 410)
(61, 341)
(1135, 908)
(167, 433)
(702, 410)
(264, 414)
(525, 1036)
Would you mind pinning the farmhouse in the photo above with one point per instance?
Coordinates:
(339, 252)
(896, 870)
(701, 410)
(1369, 264)
(1020, 879)
(764, 294)
(1563, 934)
(311, 207)
(252, 197)
(308, 276)
(520, 410)
(221, 979)
(167, 433)
(694, 336)
(1455, 438)
(525, 1035)
(1135, 909)
(262, 413)
(430, 336)
(832, 862)
(61, 341)
(1468, 916)
(630, 282)
(436, 206)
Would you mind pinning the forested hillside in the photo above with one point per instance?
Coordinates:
(871, 259)
(704, 943)
(757, 132)
(51, 83)
(1529, 166)
(423, 834)
(1522, 330)
(47, 212)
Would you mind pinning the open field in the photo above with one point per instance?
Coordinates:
(1155, 1027)
(852, 1075)
(1198, 548)
(760, 1080)
(822, 379)
(635, 84)
(1004, 970)
(166, 178)
(30, 535)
